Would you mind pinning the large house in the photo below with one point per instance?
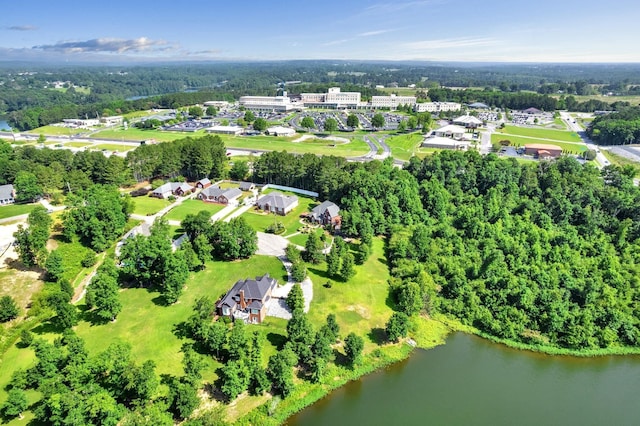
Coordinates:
(215, 194)
(172, 188)
(203, 183)
(7, 194)
(247, 299)
(278, 203)
(326, 213)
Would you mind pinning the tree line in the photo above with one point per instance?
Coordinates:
(618, 128)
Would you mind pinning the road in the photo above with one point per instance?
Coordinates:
(573, 125)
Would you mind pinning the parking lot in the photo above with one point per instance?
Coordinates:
(319, 117)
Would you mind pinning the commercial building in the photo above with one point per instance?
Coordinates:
(112, 121)
(334, 98)
(267, 103)
(392, 101)
(468, 121)
(543, 150)
(445, 143)
(451, 131)
(225, 130)
(281, 131)
(437, 107)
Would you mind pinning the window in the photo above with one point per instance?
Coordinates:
(225, 311)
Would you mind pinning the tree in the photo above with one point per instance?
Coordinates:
(54, 266)
(215, 337)
(333, 326)
(308, 123)
(378, 121)
(15, 404)
(397, 326)
(295, 298)
(238, 342)
(42, 138)
(412, 122)
(66, 315)
(280, 372)
(353, 346)
(234, 378)
(8, 309)
(192, 363)
(239, 170)
(27, 187)
(249, 116)
(313, 249)
(347, 268)
(330, 125)
(211, 111)
(103, 295)
(353, 121)
(184, 398)
(410, 300)
(333, 263)
(402, 126)
(298, 271)
(26, 338)
(196, 111)
(176, 272)
(260, 124)
(31, 241)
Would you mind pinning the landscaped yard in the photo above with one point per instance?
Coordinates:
(55, 130)
(521, 141)
(135, 134)
(147, 205)
(541, 133)
(354, 148)
(77, 144)
(16, 210)
(404, 146)
(260, 221)
(192, 207)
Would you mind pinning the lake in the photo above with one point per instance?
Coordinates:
(470, 381)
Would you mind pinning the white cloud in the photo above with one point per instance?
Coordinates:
(22, 28)
(374, 33)
(449, 43)
(109, 45)
(336, 42)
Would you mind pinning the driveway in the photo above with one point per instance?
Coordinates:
(272, 245)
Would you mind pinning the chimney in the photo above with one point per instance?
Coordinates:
(243, 304)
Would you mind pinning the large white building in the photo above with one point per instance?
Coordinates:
(437, 106)
(267, 103)
(334, 98)
(392, 101)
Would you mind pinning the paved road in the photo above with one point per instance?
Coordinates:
(600, 159)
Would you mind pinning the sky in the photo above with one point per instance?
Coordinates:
(420, 30)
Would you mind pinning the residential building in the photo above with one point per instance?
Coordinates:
(215, 194)
(278, 203)
(392, 101)
(326, 213)
(203, 183)
(437, 107)
(7, 195)
(247, 299)
(247, 186)
(172, 188)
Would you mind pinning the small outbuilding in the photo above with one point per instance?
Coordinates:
(281, 131)
(7, 194)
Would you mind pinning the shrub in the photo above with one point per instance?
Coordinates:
(88, 260)
(8, 309)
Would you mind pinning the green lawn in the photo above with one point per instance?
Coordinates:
(521, 141)
(147, 205)
(541, 133)
(404, 146)
(135, 134)
(55, 130)
(192, 207)
(113, 147)
(360, 304)
(149, 326)
(16, 210)
(301, 239)
(78, 144)
(620, 160)
(354, 148)
(72, 254)
(260, 221)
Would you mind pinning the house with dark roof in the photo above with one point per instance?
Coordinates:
(172, 188)
(278, 203)
(247, 299)
(7, 194)
(203, 183)
(247, 186)
(326, 213)
(215, 194)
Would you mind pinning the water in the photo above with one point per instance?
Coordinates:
(4, 126)
(470, 381)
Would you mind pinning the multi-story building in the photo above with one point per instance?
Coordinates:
(267, 103)
(392, 101)
(334, 98)
(437, 106)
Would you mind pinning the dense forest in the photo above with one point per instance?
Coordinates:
(619, 128)
(29, 97)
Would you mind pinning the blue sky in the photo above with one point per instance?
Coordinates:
(438, 30)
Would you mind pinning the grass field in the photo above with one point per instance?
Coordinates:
(620, 160)
(16, 210)
(192, 207)
(314, 146)
(72, 254)
(135, 134)
(521, 141)
(112, 147)
(78, 144)
(260, 221)
(541, 133)
(55, 130)
(404, 146)
(148, 205)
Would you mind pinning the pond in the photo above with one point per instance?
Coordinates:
(470, 381)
